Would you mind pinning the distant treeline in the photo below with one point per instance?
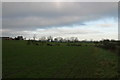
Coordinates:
(112, 45)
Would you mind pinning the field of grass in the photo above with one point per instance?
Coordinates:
(31, 61)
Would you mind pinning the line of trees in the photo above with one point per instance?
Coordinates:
(112, 45)
(107, 44)
(58, 39)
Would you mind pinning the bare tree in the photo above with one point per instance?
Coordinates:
(73, 39)
(55, 39)
(76, 39)
(50, 39)
(59, 39)
(34, 37)
(43, 38)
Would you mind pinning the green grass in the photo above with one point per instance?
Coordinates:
(32, 61)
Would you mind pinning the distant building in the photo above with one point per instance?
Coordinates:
(6, 38)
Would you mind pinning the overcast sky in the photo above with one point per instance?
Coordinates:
(85, 20)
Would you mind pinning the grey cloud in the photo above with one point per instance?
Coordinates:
(57, 8)
(25, 16)
(51, 32)
(44, 14)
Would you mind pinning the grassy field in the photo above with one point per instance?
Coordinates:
(32, 61)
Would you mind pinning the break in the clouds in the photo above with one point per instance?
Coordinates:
(85, 20)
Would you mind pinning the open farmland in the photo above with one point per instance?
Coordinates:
(34, 61)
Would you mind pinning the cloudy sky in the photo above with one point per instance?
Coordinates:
(85, 20)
